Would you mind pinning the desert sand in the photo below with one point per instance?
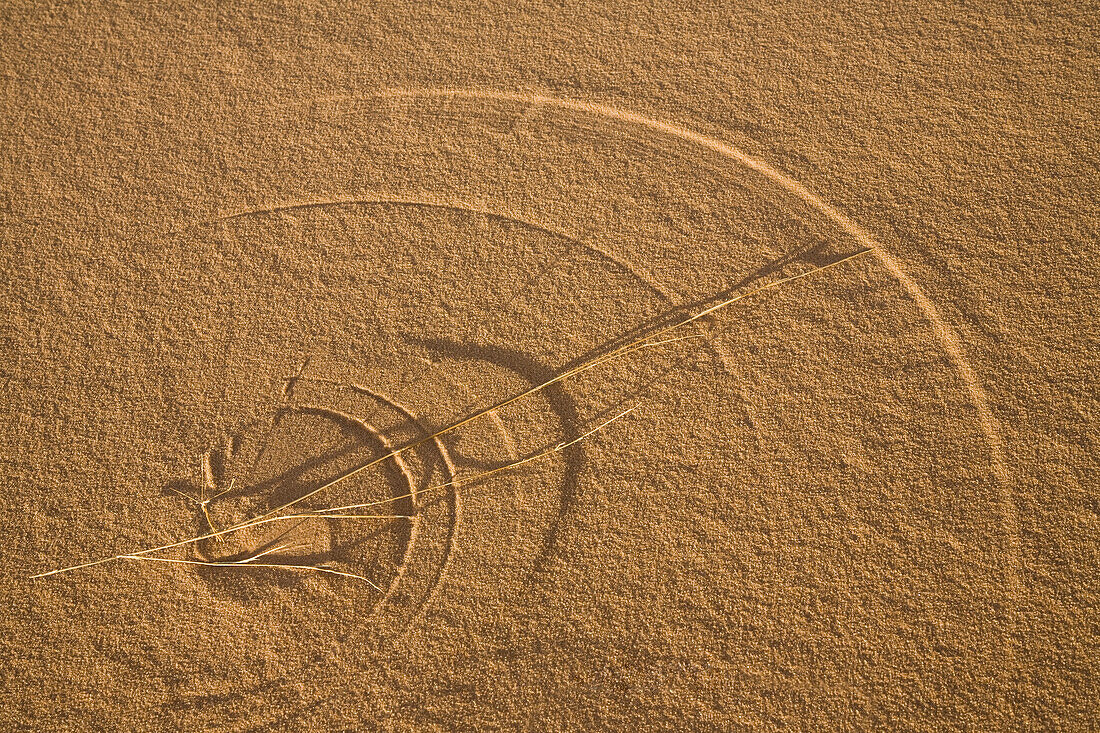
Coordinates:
(619, 368)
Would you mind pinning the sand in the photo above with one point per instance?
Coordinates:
(248, 251)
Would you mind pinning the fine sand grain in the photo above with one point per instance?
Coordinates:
(512, 367)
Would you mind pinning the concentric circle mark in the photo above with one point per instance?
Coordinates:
(393, 526)
(530, 371)
(944, 333)
(442, 336)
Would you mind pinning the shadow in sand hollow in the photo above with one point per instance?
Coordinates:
(301, 466)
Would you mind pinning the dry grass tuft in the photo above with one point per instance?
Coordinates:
(208, 490)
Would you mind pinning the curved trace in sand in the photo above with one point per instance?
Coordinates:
(461, 206)
(944, 333)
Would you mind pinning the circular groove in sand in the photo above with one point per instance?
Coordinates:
(944, 334)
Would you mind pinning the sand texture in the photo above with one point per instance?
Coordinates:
(638, 367)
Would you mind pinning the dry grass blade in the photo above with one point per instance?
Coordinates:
(327, 513)
(250, 565)
(484, 474)
(213, 535)
(270, 551)
(641, 343)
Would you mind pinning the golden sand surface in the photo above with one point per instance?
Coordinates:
(527, 366)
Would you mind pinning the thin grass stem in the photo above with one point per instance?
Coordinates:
(276, 566)
(641, 343)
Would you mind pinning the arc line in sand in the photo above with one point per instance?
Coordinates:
(944, 333)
